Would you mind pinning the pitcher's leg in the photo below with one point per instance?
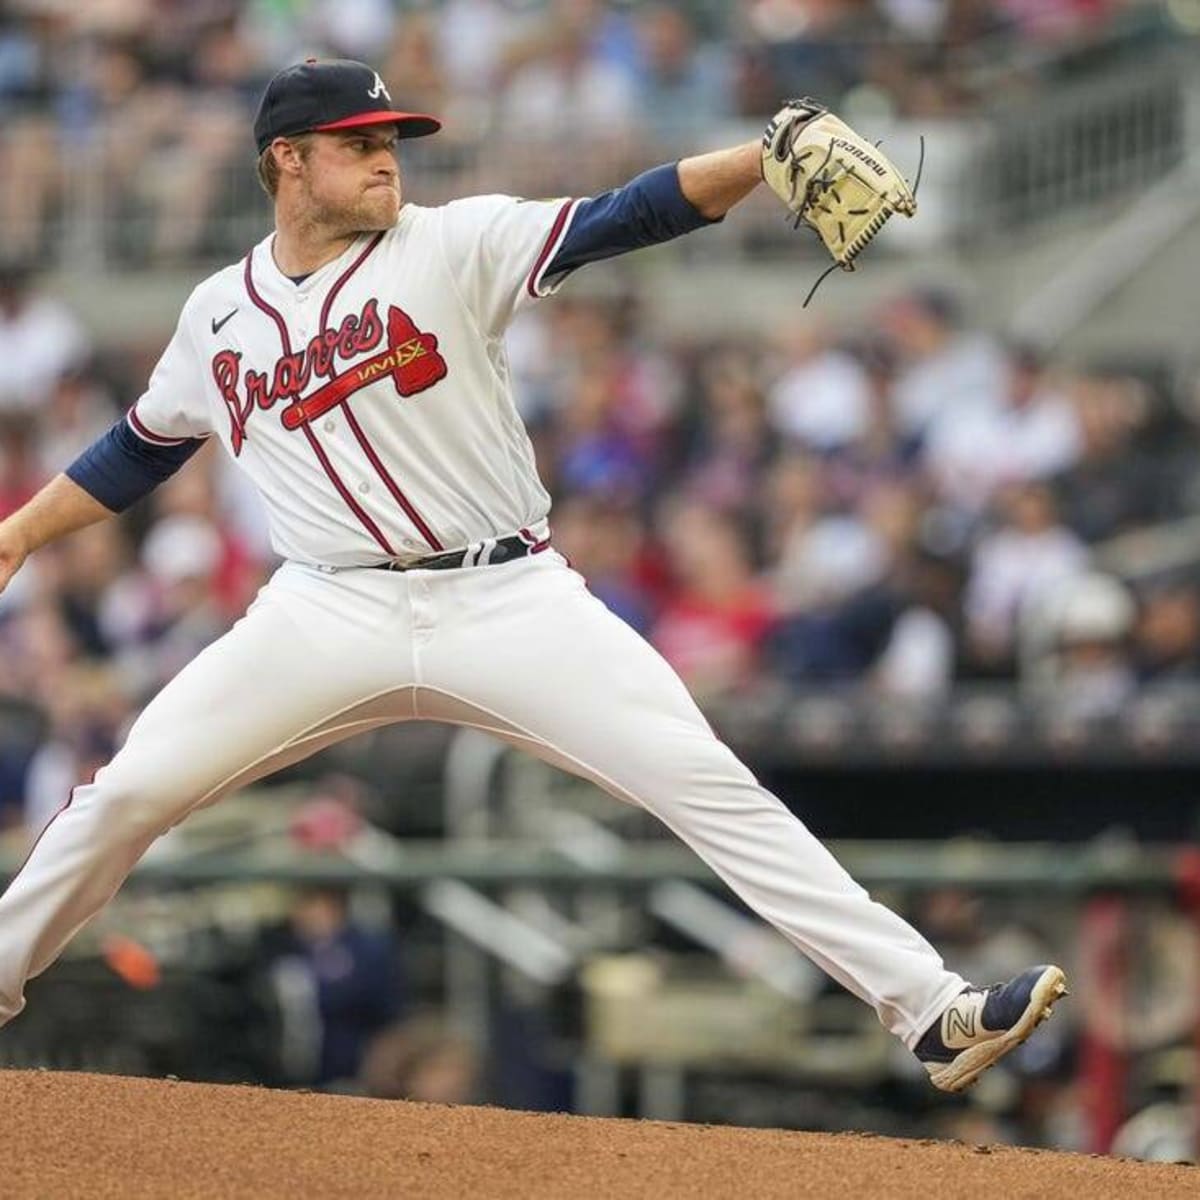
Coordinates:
(566, 678)
(271, 691)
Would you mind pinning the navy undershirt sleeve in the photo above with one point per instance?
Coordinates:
(649, 209)
(120, 468)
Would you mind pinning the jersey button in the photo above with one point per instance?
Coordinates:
(364, 487)
(330, 426)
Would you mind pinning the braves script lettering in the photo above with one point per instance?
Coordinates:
(410, 357)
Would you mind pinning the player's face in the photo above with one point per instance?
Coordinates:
(351, 180)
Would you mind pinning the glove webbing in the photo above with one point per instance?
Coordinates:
(864, 238)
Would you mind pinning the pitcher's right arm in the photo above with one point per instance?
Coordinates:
(61, 507)
(114, 472)
(163, 429)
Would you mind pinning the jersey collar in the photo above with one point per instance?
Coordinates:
(267, 272)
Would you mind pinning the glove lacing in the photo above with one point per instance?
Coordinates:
(820, 183)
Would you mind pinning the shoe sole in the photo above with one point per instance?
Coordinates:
(966, 1067)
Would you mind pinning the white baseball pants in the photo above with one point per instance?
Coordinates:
(521, 650)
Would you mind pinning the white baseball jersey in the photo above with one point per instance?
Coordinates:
(371, 403)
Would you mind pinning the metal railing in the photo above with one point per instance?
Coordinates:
(1054, 154)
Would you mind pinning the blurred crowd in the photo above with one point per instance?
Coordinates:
(140, 109)
(903, 506)
(908, 508)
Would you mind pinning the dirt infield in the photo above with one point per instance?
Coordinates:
(66, 1135)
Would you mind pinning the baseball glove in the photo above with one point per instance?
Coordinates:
(832, 179)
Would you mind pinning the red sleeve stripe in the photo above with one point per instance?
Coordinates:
(148, 435)
(554, 239)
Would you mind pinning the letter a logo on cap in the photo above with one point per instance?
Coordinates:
(379, 90)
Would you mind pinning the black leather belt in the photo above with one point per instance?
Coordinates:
(503, 550)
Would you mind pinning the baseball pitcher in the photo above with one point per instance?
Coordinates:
(353, 365)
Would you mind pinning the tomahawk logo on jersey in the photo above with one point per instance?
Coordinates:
(409, 357)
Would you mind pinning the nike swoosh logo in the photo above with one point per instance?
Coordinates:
(216, 325)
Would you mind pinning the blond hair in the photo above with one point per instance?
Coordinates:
(268, 165)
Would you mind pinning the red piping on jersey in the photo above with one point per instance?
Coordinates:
(58, 813)
(363, 516)
(389, 482)
(392, 486)
(259, 302)
(535, 547)
(337, 287)
(148, 435)
(547, 248)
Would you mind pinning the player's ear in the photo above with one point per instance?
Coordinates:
(288, 156)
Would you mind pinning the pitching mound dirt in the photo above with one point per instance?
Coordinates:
(95, 1136)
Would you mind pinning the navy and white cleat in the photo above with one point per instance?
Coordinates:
(981, 1025)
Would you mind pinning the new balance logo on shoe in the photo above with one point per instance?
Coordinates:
(960, 1024)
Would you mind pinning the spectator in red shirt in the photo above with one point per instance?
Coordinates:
(716, 617)
(20, 473)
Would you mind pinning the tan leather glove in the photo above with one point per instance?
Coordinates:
(831, 178)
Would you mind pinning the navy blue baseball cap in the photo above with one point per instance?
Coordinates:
(335, 94)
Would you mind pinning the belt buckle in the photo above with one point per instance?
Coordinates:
(444, 560)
